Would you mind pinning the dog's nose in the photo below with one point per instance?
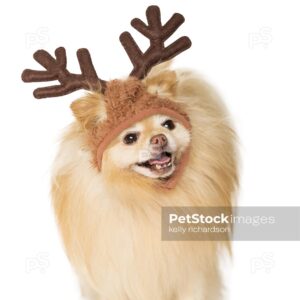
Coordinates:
(159, 140)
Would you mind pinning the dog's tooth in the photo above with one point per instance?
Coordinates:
(169, 164)
(158, 167)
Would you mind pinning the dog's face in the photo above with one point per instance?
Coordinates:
(151, 147)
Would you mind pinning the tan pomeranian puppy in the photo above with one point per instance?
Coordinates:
(111, 220)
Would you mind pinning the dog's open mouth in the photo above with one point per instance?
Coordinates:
(160, 164)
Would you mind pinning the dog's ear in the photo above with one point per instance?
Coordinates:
(89, 110)
(161, 80)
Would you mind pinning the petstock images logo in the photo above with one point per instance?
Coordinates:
(237, 223)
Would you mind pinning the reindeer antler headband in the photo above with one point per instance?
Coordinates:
(88, 80)
(121, 113)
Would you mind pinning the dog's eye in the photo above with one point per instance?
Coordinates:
(168, 124)
(130, 138)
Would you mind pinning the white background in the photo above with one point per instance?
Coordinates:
(248, 49)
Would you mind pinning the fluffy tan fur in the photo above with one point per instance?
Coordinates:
(110, 221)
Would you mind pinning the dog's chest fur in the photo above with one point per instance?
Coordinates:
(115, 243)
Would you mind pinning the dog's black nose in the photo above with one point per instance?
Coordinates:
(159, 140)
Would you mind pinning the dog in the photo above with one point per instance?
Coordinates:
(110, 221)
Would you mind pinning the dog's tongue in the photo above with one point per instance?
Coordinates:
(163, 159)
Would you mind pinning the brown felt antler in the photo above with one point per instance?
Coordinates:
(57, 70)
(157, 34)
